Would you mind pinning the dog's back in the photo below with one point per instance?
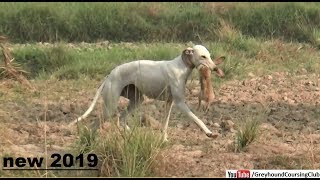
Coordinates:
(150, 77)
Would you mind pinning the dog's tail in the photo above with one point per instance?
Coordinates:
(94, 102)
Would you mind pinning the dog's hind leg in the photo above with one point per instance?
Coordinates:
(135, 99)
(110, 94)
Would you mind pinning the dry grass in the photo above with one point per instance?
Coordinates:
(12, 69)
(227, 32)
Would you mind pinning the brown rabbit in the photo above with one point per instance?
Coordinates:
(207, 93)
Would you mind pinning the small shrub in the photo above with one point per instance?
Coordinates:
(87, 139)
(246, 134)
(122, 154)
(130, 154)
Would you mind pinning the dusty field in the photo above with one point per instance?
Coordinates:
(288, 107)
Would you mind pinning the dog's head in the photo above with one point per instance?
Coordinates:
(197, 55)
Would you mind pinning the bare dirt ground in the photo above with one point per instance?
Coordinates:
(288, 107)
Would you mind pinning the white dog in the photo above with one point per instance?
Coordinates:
(162, 80)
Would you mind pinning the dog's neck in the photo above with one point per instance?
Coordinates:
(188, 63)
(187, 68)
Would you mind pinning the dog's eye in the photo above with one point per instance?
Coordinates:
(204, 57)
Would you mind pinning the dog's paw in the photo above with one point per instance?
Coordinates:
(212, 135)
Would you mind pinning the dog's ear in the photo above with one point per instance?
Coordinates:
(187, 54)
(219, 60)
(188, 51)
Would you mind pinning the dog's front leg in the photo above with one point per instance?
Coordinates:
(185, 109)
(177, 91)
(165, 135)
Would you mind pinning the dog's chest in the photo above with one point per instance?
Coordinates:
(159, 90)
